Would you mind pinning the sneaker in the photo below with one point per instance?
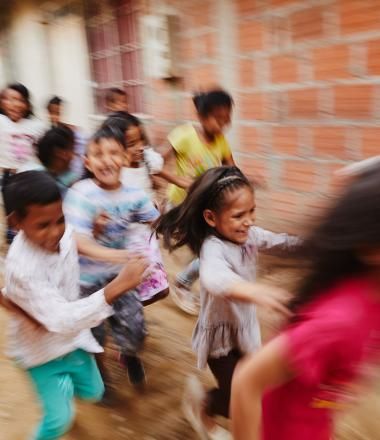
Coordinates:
(185, 299)
(135, 369)
(219, 433)
(192, 405)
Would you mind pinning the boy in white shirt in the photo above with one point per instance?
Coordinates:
(42, 279)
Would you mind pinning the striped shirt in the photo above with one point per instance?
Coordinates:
(85, 201)
(46, 286)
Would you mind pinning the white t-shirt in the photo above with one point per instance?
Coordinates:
(17, 141)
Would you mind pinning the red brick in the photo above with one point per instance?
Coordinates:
(334, 182)
(285, 139)
(307, 24)
(254, 106)
(359, 15)
(373, 61)
(202, 77)
(284, 69)
(246, 7)
(329, 141)
(188, 109)
(200, 13)
(165, 108)
(187, 49)
(249, 139)
(252, 167)
(251, 36)
(285, 205)
(247, 73)
(303, 103)
(282, 2)
(207, 46)
(354, 101)
(370, 141)
(331, 62)
(299, 175)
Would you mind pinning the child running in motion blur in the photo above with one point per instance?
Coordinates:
(291, 388)
(101, 255)
(51, 338)
(216, 220)
(141, 162)
(55, 151)
(195, 150)
(19, 131)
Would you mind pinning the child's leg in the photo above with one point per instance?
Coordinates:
(55, 390)
(88, 384)
(128, 324)
(128, 329)
(190, 274)
(218, 399)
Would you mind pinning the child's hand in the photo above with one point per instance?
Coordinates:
(271, 297)
(134, 272)
(118, 256)
(100, 223)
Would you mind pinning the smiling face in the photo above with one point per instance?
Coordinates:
(216, 121)
(105, 160)
(14, 105)
(44, 225)
(135, 145)
(235, 217)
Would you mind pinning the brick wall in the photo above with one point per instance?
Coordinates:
(306, 81)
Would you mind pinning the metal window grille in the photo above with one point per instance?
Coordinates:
(115, 50)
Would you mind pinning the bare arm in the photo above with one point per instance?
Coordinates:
(168, 175)
(89, 248)
(266, 369)
(260, 294)
(44, 302)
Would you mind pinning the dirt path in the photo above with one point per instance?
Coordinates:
(155, 414)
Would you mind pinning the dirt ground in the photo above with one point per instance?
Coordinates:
(154, 414)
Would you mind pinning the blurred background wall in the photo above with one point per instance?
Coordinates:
(305, 76)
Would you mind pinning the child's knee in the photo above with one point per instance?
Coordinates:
(94, 395)
(55, 425)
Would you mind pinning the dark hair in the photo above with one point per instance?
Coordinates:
(110, 94)
(206, 102)
(55, 100)
(185, 224)
(123, 121)
(61, 137)
(332, 250)
(30, 188)
(104, 132)
(24, 92)
(108, 132)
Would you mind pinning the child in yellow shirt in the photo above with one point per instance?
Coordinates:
(195, 150)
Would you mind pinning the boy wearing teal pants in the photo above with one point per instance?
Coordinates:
(50, 335)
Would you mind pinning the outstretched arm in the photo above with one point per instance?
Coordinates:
(265, 369)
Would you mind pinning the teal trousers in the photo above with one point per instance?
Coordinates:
(57, 383)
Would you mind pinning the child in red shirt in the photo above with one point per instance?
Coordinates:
(299, 378)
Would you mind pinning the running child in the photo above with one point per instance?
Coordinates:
(42, 278)
(55, 107)
(216, 220)
(100, 260)
(195, 150)
(19, 131)
(55, 151)
(141, 162)
(293, 386)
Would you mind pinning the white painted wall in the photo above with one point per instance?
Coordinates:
(51, 58)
